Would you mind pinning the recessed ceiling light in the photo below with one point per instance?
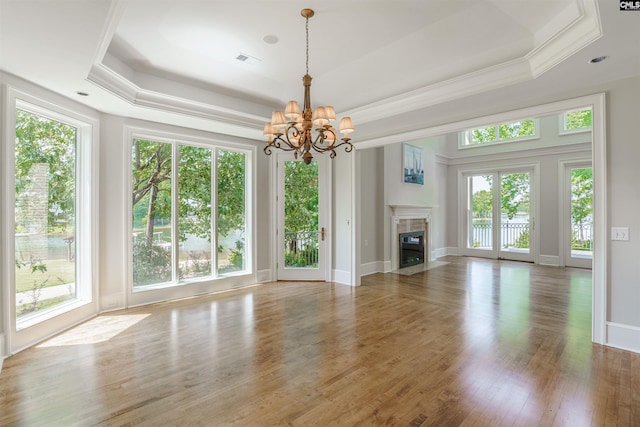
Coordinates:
(270, 39)
(598, 59)
(82, 93)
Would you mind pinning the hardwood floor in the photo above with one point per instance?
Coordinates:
(474, 342)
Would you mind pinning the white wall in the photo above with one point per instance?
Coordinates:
(623, 196)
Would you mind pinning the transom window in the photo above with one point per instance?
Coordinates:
(576, 121)
(499, 133)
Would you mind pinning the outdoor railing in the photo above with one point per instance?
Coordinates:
(511, 235)
(301, 249)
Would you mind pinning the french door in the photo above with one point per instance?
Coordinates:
(303, 223)
(499, 221)
(577, 215)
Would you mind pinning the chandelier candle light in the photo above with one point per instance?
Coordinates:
(296, 134)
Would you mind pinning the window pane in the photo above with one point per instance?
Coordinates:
(582, 212)
(481, 210)
(301, 214)
(517, 129)
(194, 227)
(231, 211)
(151, 212)
(45, 200)
(480, 135)
(578, 119)
(515, 209)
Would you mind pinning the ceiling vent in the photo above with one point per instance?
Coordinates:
(242, 57)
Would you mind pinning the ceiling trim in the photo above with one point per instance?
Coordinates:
(109, 80)
(534, 111)
(573, 29)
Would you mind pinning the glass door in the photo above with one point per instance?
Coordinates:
(302, 231)
(578, 213)
(515, 216)
(499, 215)
(480, 216)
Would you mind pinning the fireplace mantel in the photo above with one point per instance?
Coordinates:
(409, 212)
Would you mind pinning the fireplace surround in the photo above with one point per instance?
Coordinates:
(408, 219)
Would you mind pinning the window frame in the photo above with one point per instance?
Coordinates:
(38, 326)
(465, 136)
(193, 286)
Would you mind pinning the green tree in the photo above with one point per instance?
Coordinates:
(581, 198)
(482, 202)
(301, 196)
(514, 193)
(578, 119)
(517, 129)
(231, 191)
(41, 140)
(151, 181)
(194, 192)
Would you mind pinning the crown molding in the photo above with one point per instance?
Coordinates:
(109, 80)
(573, 29)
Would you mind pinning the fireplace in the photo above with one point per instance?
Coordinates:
(411, 247)
(410, 220)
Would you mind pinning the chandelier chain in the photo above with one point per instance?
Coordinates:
(307, 31)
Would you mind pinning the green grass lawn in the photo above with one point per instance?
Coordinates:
(59, 271)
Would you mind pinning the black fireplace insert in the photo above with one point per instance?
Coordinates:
(411, 248)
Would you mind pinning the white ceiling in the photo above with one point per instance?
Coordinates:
(394, 66)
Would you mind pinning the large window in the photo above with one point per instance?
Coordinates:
(50, 251)
(45, 213)
(189, 205)
(504, 132)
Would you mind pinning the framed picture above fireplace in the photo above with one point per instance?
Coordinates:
(412, 164)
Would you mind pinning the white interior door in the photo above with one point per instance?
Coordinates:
(302, 229)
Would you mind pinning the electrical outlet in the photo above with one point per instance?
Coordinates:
(619, 233)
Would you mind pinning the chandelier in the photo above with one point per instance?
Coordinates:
(296, 133)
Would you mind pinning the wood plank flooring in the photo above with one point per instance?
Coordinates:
(471, 343)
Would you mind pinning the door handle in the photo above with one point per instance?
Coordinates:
(322, 233)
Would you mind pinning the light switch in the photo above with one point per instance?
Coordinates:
(619, 233)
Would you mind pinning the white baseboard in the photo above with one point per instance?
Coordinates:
(624, 337)
(111, 302)
(386, 266)
(550, 260)
(342, 277)
(440, 252)
(453, 251)
(371, 268)
(263, 276)
(2, 351)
